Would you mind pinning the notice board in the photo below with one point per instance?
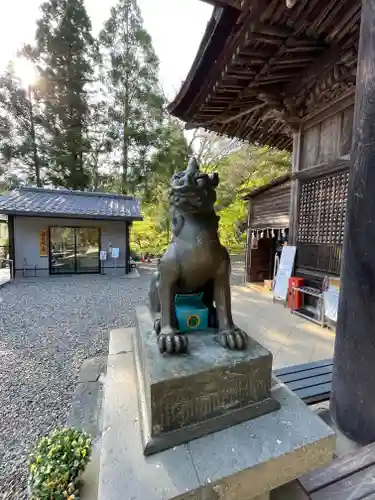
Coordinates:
(280, 289)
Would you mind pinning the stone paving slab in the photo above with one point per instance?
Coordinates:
(291, 339)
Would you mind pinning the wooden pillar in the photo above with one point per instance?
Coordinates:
(11, 243)
(294, 192)
(248, 243)
(127, 247)
(353, 384)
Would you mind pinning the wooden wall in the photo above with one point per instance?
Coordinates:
(271, 208)
(321, 164)
(328, 139)
(268, 209)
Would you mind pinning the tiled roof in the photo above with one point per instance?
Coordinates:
(66, 203)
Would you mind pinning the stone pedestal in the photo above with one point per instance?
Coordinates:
(243, 462)
(209, 389)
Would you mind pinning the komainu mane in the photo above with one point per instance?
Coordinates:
(194, 262)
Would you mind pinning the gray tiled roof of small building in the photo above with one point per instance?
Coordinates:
(67, 203)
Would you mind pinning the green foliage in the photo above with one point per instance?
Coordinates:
(230, 217)
(20, 136)
(95, 120)
(240, 168)
(153, 234)
(248, 168)
(135, 102)
(240, 172)
(56, 464)
(171, 156)
(146, 236)
(64, 53)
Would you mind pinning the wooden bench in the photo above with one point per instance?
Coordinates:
(311, 382)
(351, 477)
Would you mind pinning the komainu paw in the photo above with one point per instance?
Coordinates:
(172, 343)
(234, 339)
(157, 326)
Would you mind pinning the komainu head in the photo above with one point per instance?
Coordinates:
(193, 190)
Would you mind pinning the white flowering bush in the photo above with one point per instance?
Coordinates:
(56, 463)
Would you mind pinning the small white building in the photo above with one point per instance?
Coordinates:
(68, 232)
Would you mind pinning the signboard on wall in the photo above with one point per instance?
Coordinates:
(43, 243)
(115, 253)
(103, 255)
(284, 272)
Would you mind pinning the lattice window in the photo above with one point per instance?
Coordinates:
(322, 223)
(323, 210)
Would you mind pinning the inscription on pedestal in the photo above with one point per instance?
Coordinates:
(185, 406)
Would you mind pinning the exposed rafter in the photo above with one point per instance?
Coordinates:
(319, 67)
(281, 63)
(334, 57)
(228, 57)
(283, 110)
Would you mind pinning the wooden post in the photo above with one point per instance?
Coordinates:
(248, 243)
(294, 192)
(11, 243)
(127, 247)
(353, 384)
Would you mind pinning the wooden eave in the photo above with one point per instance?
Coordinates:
(283, 179)
(275, 67)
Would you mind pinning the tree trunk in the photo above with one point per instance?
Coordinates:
(33, 141)
(125, 147)
(353, 402)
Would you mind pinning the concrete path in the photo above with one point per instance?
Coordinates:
(291, 339)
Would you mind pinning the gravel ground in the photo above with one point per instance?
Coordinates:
(47, 328)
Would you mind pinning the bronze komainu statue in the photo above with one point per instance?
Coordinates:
(194, 262)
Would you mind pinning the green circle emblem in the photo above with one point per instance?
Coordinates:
(193, 321)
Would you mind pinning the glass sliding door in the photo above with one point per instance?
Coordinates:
(62, 250)
(87, 249)
(74, 250)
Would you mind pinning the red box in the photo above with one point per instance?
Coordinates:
(298, 296)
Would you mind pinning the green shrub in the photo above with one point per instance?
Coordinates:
(56, 463)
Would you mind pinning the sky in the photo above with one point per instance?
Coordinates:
(176, 28)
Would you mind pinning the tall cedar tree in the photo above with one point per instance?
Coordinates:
(172, 155)
(19, 137)
(136, 104)
(64, 52)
